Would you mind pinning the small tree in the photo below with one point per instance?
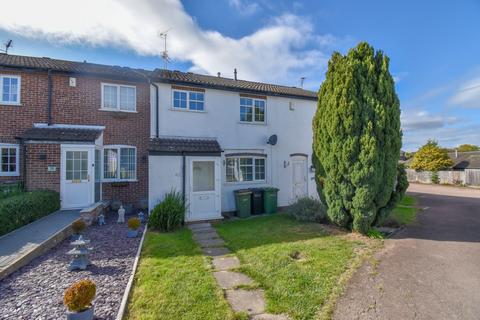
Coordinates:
(430, 157)
(357, 139)
(467, 147)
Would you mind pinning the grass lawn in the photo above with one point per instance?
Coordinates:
(405, 213)
(173, 281)
(297, 264)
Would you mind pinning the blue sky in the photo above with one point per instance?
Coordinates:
(432, 45)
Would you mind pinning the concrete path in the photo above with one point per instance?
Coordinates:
(239, 289)
(19, 247)
(430, 270)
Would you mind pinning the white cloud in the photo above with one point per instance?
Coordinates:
(423, 120)
(244, 7)
(277, 52)
(467, 95)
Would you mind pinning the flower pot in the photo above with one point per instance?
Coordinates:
(84, 315)
(132, 233)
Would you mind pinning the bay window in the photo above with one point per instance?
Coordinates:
(119, 163)
(244, 169)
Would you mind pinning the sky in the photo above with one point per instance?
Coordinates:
(433, 46)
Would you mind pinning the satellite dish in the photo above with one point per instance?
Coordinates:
(272, 139)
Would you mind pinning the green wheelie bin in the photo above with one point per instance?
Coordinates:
(243, 202)
(270, 199)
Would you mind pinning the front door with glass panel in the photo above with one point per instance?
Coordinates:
(204, 199)
(77, 176)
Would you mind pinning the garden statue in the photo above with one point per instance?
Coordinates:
(121, 215)
(101, 219)
(80, 254)
(141, 216)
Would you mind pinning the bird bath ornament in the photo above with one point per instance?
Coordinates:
(101, 219)
(121, 215)
(80, 254)
(141, 216)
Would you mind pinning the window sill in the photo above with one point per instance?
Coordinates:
(245, 182)
(117, 110)
(253, 123)
(10, 104)
(118, 180)
(10, 174)
(187, 110)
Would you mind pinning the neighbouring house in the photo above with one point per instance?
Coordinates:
(74, 127)
(465, 170)
(95, 132)
(213, 135)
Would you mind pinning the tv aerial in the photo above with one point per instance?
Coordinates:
(165, 57)
(7, 45)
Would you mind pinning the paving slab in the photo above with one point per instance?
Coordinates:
(205, 235)
(225, 263)
(268, 316)
(210, 243)
(249, 301)
(199, 226)
(202, 230)
(230, 279)
(216, 251)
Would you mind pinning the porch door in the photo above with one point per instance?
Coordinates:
(77, 177)
(299, 177)
(204, 200)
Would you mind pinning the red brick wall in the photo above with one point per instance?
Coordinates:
(80, 106)
(39, 157)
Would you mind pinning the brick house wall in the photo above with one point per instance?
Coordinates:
(79, 105)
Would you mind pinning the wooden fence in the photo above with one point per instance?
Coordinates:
(469, 177)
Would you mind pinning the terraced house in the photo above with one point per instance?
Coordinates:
(95, 132)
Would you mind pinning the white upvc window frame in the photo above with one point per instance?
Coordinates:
(15, 173)
(187, 92)
(117, 108)
(19, 85)
(118, 147)
(254, 180)
(254, 121)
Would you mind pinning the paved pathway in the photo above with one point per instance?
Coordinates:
(22, 241)
(429, 270)
(234, 284)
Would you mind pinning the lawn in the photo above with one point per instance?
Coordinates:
(173, 281)
(405, 213)
(297, 264)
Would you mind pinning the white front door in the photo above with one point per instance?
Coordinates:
(204, 196)
(77, 177)
(299, 177)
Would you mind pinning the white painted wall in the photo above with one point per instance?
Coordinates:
(221, 121)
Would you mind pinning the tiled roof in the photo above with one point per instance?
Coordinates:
(465, 160)
(186, 145)
(61, 134)
(15, 61)
(221, 83)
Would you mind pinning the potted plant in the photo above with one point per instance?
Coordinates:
(78, 300)
(78, 226)
(133, 225)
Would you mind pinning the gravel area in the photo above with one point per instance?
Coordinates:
(36, 290)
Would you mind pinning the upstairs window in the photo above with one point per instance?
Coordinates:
(119, 97)
(9, 89)
(188, 100)
(244, 169)
(252, 110)
(9, 160)
(120, 163)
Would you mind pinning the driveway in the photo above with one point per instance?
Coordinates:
(430, 270)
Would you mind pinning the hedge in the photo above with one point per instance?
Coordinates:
(19, 210)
